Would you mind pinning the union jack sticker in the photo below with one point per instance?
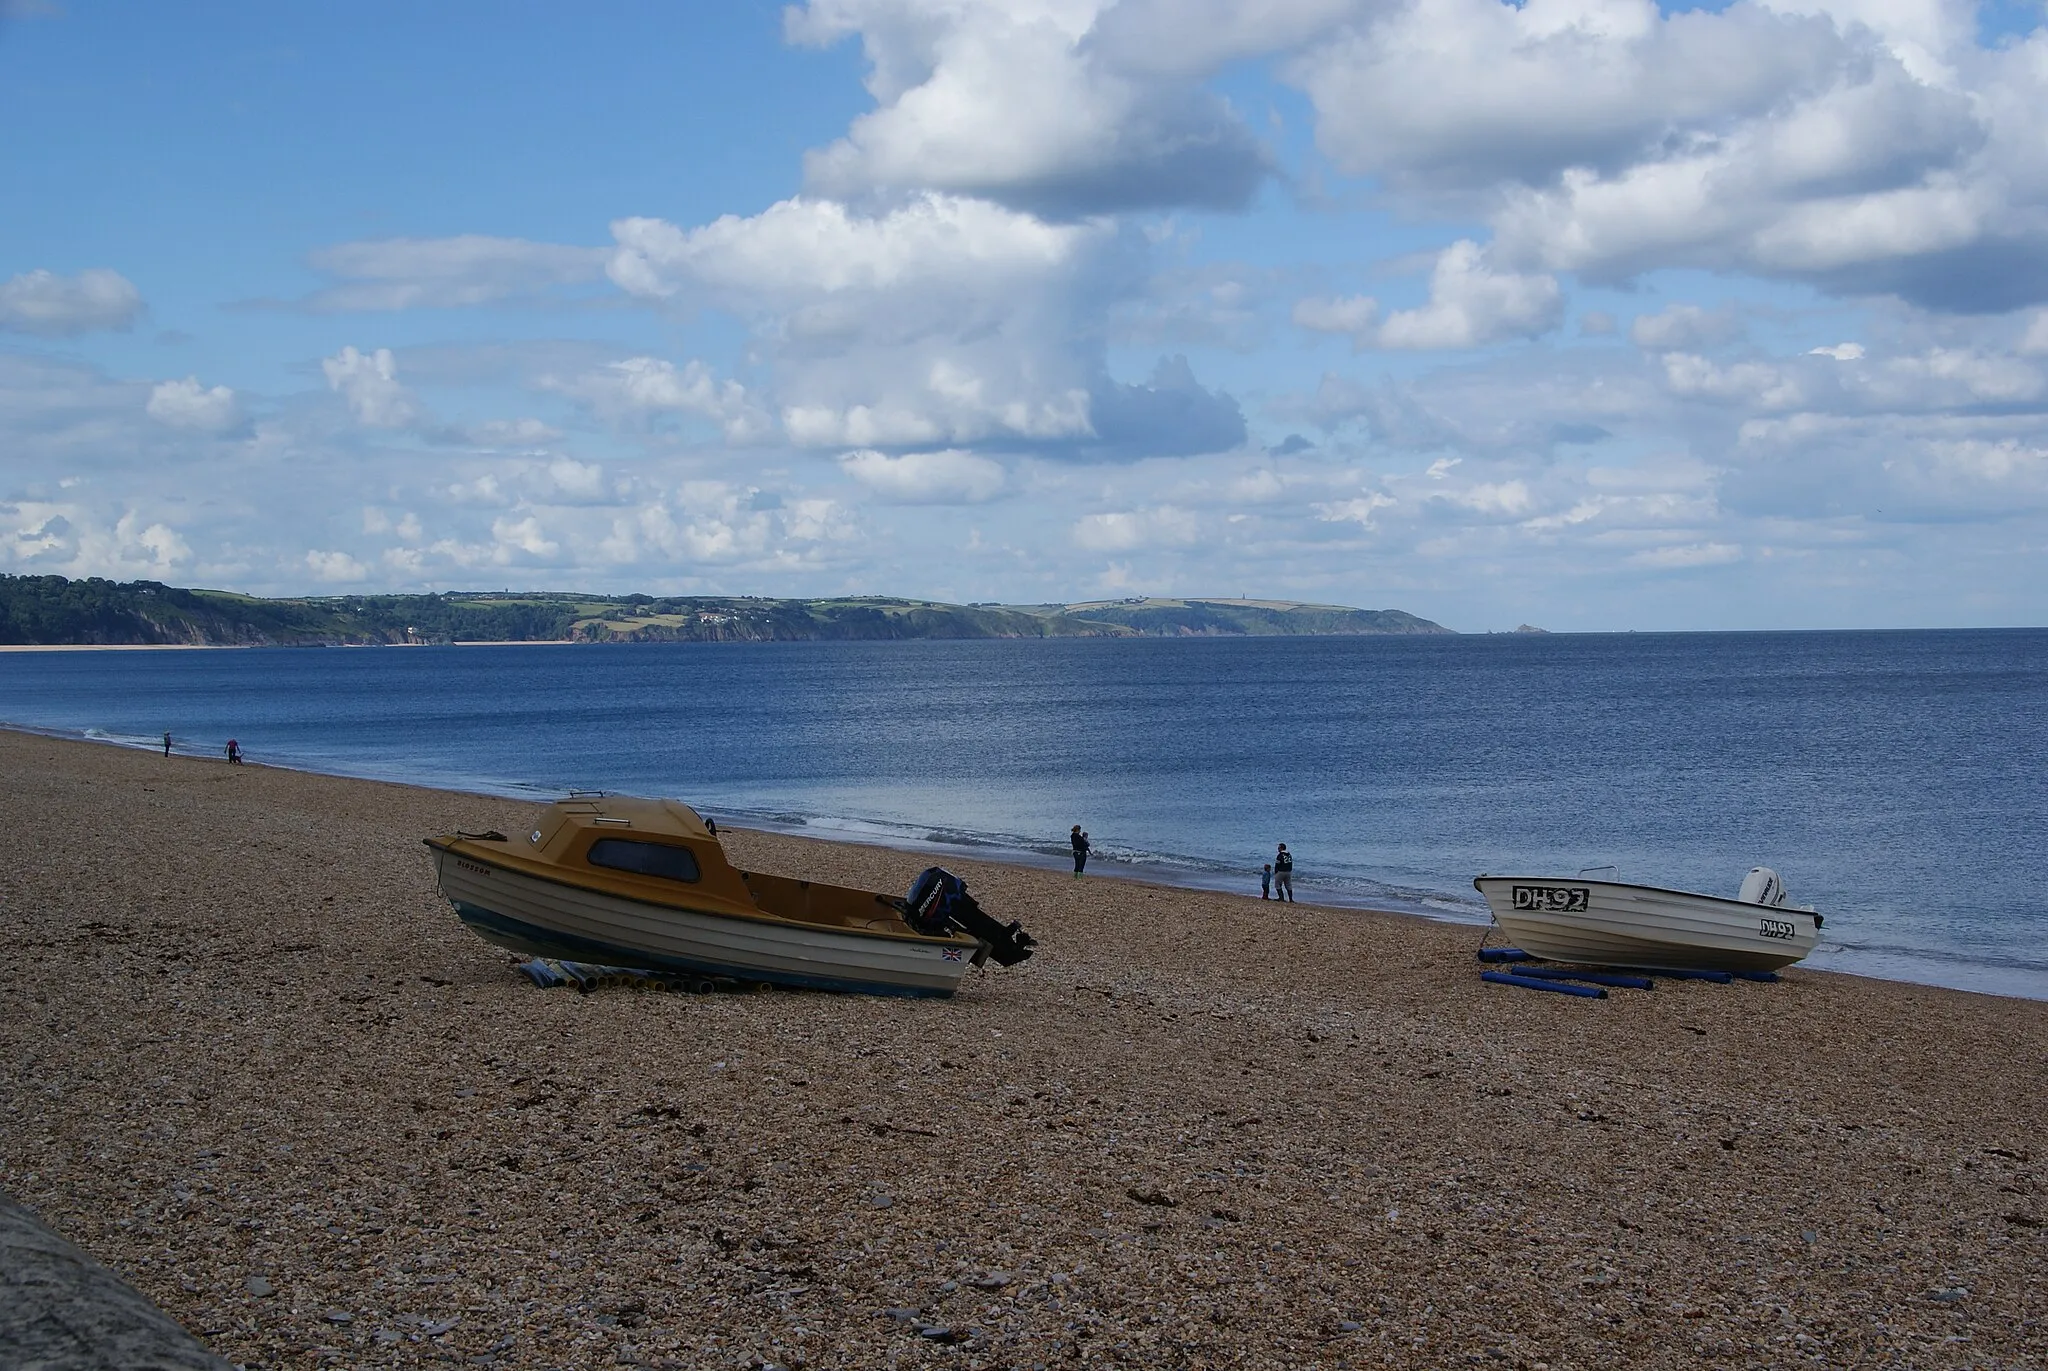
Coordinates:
(956, 954)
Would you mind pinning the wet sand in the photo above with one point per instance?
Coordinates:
(253, 1063)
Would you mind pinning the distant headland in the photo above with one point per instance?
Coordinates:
(52, 611)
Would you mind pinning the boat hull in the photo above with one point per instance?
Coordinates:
(1606, 923)
(545, 918)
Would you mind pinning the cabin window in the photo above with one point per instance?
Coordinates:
(644, 859)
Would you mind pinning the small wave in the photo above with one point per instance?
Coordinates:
(2008, 961)
(1339, 889)
(111, 737)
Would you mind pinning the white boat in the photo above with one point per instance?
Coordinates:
(1609, 923)
(646, 884)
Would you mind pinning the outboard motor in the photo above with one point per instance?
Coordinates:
(1762, 886)
(939, 904)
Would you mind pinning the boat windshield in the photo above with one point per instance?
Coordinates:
(644, 859)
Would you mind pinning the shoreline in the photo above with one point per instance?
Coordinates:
(1888, 965)
(252, 647)
(128, 647)
(1158, 872)
(258, 1067)
(1155, 875)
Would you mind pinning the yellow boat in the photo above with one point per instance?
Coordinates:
(645, 883)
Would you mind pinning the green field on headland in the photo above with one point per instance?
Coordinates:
(52, 611)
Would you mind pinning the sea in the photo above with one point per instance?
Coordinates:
(1897, 781)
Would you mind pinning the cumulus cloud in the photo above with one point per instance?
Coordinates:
(1020, 104)
(522, 540)
(1753, 385)
(1355, 315)
(1357, 510)
(1684, 328)
(52, 306)
(637, 387)
(1457, 95)
(1943, 378)
(1877, 182)
(1501, 500)
(1687, 555)
(1863, 149)
(1172, 414)
(188, 404)
(68, 537)
(472, 269)
(577, 482)
(1471, 303)
(2034, 342)
(335, 566)
(524, 433)
(406, 526)
(707, 523)
(1757, 461)
(955, 402)
(369, 383)
(1131, 530)
(1208, 304)
(802, 247)
(951, 477)
(942, 321)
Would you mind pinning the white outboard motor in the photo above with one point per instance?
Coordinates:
(1762, 886)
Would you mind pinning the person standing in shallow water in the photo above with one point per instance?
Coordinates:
(167, 743)
(1079, 842)
(1283, 874)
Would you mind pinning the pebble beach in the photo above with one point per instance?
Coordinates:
(254, 1064)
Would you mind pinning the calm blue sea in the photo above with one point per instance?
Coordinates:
(1897, 780)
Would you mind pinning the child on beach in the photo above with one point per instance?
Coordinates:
(1266, 882)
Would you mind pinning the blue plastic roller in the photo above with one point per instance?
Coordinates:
(1584, 992)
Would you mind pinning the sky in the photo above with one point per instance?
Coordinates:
(1587, 314)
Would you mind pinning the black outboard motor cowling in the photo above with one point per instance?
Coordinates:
(938, 904)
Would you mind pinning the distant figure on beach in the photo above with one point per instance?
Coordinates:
(1266, 882)
(167, 743)
(1079, 841)
(234, 753)
(1283, 874)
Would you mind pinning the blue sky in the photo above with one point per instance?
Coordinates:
(1580, 313)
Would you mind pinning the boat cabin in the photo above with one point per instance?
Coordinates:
(665, 852)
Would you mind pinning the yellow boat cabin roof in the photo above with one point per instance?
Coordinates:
(662, 818)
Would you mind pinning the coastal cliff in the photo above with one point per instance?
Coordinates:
(53, 611)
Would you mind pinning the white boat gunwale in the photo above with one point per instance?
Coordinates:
(1814, 915)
